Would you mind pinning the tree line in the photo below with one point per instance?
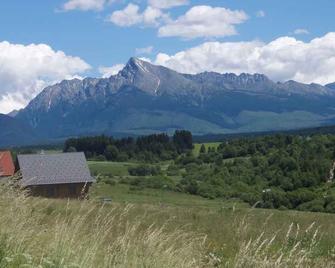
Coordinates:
(150, 148)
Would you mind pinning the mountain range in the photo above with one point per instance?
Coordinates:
(144, 98)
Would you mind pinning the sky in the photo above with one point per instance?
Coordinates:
(43, 42)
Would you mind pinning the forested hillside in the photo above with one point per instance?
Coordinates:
(286, 172)
(277, 171)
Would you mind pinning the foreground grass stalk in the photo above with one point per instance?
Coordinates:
(38, 233)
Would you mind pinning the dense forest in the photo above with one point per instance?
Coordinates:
(281, 171)
(151, 148)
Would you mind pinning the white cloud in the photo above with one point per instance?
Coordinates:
(131, 15)
(109, 71)
(282, 59)
(301, 31)
(26, 70)
(126, 17)
(260, 14)
(204, 21)
(84, 5)
(144, 50)
(165, 4)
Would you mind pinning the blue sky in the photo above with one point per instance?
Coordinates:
(85, 29)
(88, 35)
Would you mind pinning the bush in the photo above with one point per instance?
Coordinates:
(316, 205)
(144, 170)
(172, 170)
(207, 191)
(275, 198)
(330, 208)
(300, 196)
(154, 182)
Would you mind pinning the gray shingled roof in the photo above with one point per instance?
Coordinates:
(42, 169)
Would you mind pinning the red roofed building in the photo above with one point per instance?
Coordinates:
(7, 167)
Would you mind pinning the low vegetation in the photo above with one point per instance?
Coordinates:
(58, 233)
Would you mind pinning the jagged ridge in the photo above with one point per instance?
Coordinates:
(144, 98)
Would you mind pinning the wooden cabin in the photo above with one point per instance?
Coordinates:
(7, 167)
(63, 175)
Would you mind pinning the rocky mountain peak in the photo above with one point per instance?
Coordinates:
(135, 65)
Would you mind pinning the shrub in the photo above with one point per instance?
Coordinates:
(330, 208)
(144, 170)
(316, 205)
(172, 170)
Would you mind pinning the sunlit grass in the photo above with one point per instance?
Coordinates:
(37, 232)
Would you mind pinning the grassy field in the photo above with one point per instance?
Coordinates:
(117, 168)
(121, 193)
(237, 235)
(110, 168)
(158, 229)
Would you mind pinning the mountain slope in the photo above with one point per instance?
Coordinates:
(15, 132)
(331, 86)
(144, 98)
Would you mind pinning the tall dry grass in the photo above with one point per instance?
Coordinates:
(290, 246)
(34, 233)
(42, 233)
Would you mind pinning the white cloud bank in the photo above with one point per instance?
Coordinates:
(26, 70)
(282, 59)
(84, 5)
(204, 21)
